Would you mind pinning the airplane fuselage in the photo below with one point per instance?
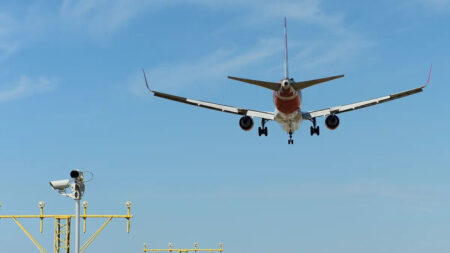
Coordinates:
(287, 103)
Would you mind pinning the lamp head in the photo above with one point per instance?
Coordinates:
(76, 174)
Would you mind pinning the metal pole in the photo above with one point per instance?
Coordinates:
(77, 225)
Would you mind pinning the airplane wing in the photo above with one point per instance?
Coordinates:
(360, 105)
(217, 107)
(213, 106)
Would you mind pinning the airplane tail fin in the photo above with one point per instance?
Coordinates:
(275, 86)
(286, 73)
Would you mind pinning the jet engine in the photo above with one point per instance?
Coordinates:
(246, 123)
(332, 122)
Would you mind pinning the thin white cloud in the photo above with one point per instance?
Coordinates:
(340, 51)
(307, 54)
(102, 18)
(26, 87)
(423, 7)
(438, 5)
(9, 42)
(18, 28)
(308, 11)
(262, 11)
(99, 17)
(215, 66)
(335, 41)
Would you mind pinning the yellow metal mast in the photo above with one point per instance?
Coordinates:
(62, 226)
(174, 250)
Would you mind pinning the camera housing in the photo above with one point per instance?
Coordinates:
(60, 185)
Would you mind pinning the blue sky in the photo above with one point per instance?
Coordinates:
(72, 97)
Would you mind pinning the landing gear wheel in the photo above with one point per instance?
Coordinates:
(262, 130)
(314, 129)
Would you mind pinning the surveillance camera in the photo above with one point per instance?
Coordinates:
(60, 184)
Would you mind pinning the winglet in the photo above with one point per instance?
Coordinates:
(429, 77)
(146, 83)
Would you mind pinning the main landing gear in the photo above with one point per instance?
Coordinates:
(314, 129)
(290, 141)
(262, 130)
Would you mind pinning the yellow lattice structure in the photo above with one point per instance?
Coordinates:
(63, 226)
(175, 250)
(62, 235)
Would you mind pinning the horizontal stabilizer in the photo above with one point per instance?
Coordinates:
(305, 84)
(267, 85)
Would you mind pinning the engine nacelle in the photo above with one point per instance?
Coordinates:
(332, 122)
(246, 123)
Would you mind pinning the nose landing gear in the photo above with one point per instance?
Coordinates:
(262, 130)
(314, 129)
(290, 141)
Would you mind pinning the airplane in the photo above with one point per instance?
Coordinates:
(287, 98)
